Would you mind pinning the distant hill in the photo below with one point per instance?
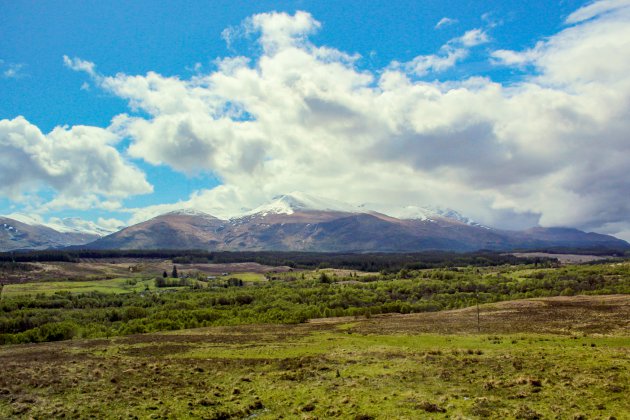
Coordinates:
(16, 235)
(299, 222)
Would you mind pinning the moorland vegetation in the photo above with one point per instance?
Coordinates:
(145, 304)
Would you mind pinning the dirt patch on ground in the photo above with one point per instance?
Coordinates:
(155, 350)
(90, 344)
(38, 353)
(559, 315)
(237, 334)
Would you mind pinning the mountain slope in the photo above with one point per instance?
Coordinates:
(175, 230)
(539, 237)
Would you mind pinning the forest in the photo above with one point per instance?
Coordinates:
(372, 262)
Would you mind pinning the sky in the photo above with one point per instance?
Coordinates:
(516, 113)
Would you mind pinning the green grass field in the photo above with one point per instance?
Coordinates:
(112, 286)
(115, 286)
(246, 277)
(563, 358)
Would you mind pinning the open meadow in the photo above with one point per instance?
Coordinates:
(546, 341)
(565, 357)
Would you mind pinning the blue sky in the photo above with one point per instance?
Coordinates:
(480, 48)
(170, 37)
(122, 37)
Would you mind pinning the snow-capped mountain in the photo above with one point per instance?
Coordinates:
(189, 212)
(77, 225)
(303, 222)
(298, 222)
(68, 224)
(423, 213)
(15, 234)
(299, 201)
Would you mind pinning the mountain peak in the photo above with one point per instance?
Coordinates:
(300, 201)
(187, 212)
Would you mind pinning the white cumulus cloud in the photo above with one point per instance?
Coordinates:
(80, 65)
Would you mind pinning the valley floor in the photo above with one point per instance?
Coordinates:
(564, 357)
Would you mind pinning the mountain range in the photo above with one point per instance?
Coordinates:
(301, 222)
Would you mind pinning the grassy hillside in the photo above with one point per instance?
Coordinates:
(565, 357)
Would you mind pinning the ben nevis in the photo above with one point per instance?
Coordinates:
(303, 222)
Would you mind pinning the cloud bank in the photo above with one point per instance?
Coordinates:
(551, 149)
(80, 164)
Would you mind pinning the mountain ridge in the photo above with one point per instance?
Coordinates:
(303, 222)
(66, 224)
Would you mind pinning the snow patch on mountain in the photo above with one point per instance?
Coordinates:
(424, 213)
(26, 219)
(299, 201)
(189, 212)
(78, 225)
(407, 212)
(450, 214)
